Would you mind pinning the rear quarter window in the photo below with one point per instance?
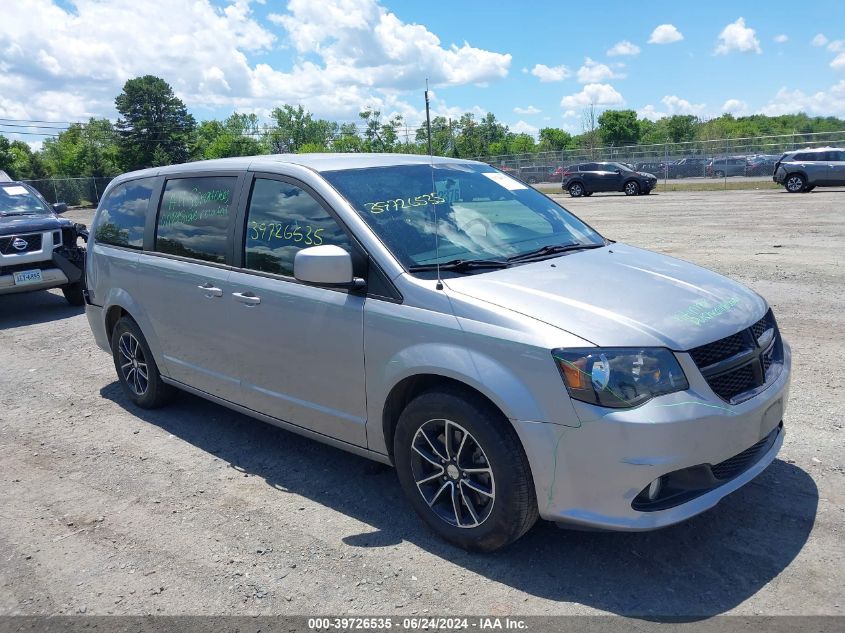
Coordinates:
(123, 213)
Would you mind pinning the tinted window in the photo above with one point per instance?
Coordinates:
(283, 219)
(123, 213)
(590, 167)
(193, 220)
(806, 156)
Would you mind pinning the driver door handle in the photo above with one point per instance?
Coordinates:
(247, 298)
(210, 291)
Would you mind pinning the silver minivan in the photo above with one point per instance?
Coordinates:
(443, 317)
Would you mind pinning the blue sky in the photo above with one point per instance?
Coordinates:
(533, 64)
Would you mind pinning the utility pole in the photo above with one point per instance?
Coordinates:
(427, 117)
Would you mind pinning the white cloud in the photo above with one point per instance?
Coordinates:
(594, 72)
(780, 39)
(673, 105)
(528, 110)
(836, 46)
(665, 34)
(521, 127)
(838, 62)
(595, 94)
(676, 105)
(819, 40)
(650, 112)
(623, 48)
(737, 37)
(735, 107)
(570, 114)
(821, 103)
(550, 73)
(348, 53)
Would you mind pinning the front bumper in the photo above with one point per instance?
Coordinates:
(51, 278)
(590, 475)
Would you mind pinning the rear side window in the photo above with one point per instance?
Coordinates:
(123, 213)
(590, 167)
(193, 220)
(806, 157)
(283, 219)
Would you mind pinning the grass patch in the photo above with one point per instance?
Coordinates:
(717, 185)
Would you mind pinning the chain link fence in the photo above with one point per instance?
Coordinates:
(85, 191)
(750, 158)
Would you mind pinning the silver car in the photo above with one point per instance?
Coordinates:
(443, 317)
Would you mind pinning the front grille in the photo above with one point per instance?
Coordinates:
(733, 383)
(33, 243)
(738, 365)
(719, 350)
(740, 462)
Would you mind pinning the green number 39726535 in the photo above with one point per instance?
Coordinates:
(272, 231)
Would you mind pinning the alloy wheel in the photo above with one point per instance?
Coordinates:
(795, 183)
(452, 473)
(631, 188)
(133, 364)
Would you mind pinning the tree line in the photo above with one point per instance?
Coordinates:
(154, 128)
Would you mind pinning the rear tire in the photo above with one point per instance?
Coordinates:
(136, 367)
(632, 188)
(576, 190)
(475, 489)
(795, 183)
(719, 174)
(73, 294)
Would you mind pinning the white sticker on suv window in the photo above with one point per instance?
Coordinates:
(506, 181)
(17, 190)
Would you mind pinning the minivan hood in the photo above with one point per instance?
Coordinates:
(621, 296)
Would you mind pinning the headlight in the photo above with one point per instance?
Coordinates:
(619, 377)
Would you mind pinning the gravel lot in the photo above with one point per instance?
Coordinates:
(195, 509)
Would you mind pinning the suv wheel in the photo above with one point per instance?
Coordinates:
(576, 190)
(795, 183)
(73, 294)
(136, 368)
(463, 469)
(632, 188)
(532, 180)
(719, 174)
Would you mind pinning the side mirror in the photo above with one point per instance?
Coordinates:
(325, 265)
(618, 171)
(60, 207)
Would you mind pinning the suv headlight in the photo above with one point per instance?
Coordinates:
(619, 377)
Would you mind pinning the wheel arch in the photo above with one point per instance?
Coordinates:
(409, 388)
(119, 304)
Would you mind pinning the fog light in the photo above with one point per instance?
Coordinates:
(654, 488)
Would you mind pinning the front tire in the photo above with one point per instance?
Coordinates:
(795, 183)
(73, 294)
(576, 190)
(136, 367)
(464, 471)
(719, 174)
(632, 188)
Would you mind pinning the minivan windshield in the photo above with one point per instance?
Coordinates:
(16, 199)
(481, 214)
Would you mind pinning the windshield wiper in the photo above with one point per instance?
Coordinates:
(553, 249)
(460, 265)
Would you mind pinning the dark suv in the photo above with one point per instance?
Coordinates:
(731, 166)
(587, 178)
(687, 168)
(532, 174)
(38, 250)
(804, 170)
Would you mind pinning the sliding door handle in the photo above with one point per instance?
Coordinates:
(247, 298)
(210, 291)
